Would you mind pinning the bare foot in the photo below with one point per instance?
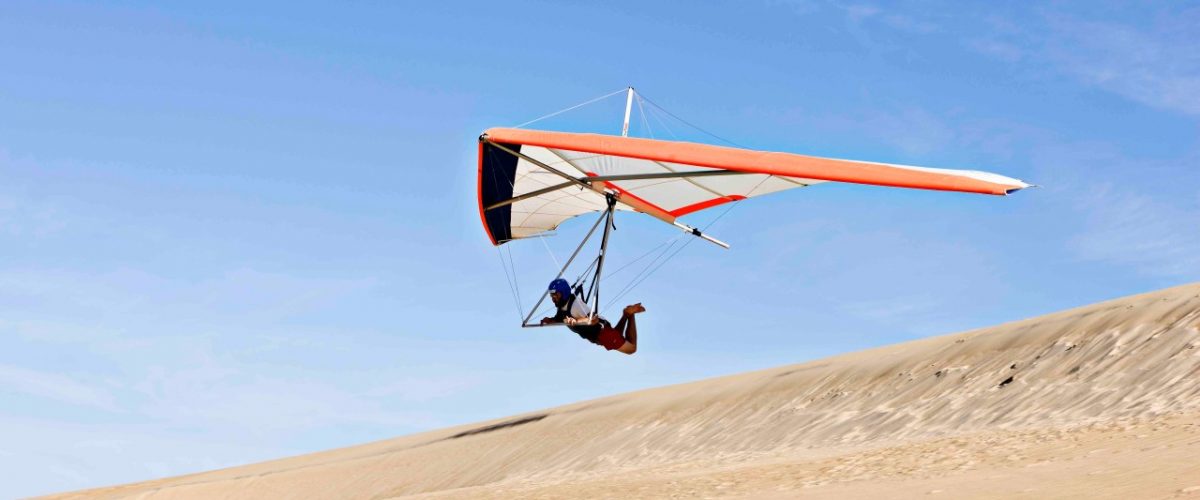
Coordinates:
(634, 309)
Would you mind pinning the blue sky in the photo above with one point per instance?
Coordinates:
(230, 233)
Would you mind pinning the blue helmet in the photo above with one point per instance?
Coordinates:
(561, 286)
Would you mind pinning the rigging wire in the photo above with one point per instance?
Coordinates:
(513, 283)
(645, 122)
(516, 282)
(685, 122)
(542, 236)
(507, 277)
(663, 123)
(641, 278)
(579, 279)
(648, 252)
(635, 280)
(631, 283)
(591, 286)
(580, 105)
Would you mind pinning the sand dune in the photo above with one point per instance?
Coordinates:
(1102, 400)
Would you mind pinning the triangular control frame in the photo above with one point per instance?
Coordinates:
(606, 217)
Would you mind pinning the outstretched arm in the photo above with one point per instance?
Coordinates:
(569, 321)
(584, 321)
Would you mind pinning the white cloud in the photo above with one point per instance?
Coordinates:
(1157, 65)
(802, 7)
(232, 299)
(1159, 68)
(56, 456)
(21, 216)
(422, 389)
(894, 309)
(56, 387)
(24, 216)
(910, 24)
(999, 49)
(858, 13)
(1137, 230)
(1141, 214)
(221, 390)
(914, 130)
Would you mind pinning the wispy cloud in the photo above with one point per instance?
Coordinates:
(26, 217)
(906, 309)
(860, 12)
(999, 49)
(1157, 65)
(914, 130)
(423, 389)
(239, 296)
(1137, 230)
(54, 456)
(266, 402)
(1139, 213)
(1160, 68)
(902, 21)
(56, 387)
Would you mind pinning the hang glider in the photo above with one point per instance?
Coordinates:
(531, 181)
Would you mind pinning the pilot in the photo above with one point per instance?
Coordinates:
(575, 313)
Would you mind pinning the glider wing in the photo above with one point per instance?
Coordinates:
(530, 181)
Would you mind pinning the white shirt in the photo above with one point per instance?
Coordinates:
(579, 309)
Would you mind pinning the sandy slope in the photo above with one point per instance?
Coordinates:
(1099, 400)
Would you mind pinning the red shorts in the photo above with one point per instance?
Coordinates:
(610, 338)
